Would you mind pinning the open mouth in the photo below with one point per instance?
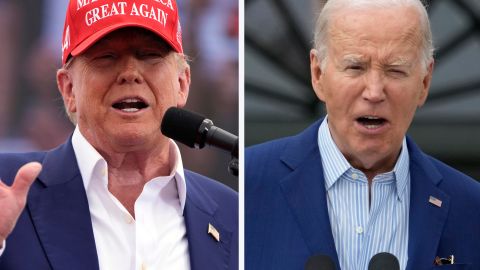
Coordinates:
(371, 122)
(130, 105)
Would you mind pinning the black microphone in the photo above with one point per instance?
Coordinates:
(196, 131)
(319, 262)
(384, 261)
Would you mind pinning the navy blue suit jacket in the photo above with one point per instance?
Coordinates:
(286, 215)
(55, 230)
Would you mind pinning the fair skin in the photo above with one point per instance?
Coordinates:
(372, 83)
(119, 91)
(13, 199)
(99, 87)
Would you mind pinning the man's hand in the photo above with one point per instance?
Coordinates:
(12, 199)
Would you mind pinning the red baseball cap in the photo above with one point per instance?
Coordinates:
(87, 21)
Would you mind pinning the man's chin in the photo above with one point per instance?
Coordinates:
(377, 154)
(134, 137)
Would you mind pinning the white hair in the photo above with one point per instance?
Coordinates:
(332, 6)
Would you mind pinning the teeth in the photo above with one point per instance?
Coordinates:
(130, 105)
(130, 110)
(371, 117)
(131, 100)
(371, 126)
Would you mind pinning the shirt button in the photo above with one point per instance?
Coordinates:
(359, 229)
(355, 176)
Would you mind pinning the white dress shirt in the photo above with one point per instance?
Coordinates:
(156, 238)
(361, 228)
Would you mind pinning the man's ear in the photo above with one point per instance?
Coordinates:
(316, 73)
(65, 86)
(427, 79)
(184, 86)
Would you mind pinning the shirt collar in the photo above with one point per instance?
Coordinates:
(90, 162)
(333, 161)
(402, 170)
(335, 164)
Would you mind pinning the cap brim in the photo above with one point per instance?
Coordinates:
(100, 34)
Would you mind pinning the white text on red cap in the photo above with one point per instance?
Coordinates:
(104, 11)
(82, 3)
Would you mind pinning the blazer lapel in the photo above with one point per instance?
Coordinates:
(59, 209)
(304, 189)
(205, 251)
(305, 192)
(427, 218)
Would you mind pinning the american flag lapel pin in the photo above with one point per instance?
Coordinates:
(435, 201)
(213, 232)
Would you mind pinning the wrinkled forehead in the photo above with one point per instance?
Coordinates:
(376, 26)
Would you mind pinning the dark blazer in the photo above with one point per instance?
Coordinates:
(55, 230)
(286, 215)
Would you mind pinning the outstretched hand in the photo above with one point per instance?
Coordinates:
(12, 199)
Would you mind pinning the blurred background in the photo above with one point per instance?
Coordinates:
(31, 109)
(279, 99)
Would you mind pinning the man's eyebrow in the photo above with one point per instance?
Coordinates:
(399, 62)
(352, 59)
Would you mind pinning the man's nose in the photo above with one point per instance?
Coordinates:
(130, 70)
(374, 87)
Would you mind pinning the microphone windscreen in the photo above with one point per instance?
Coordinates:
(383, 261)
(319, 262)
(181, 125)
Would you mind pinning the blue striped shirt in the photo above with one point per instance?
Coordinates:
(360, 231)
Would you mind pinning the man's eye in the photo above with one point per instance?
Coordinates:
(150, 54)
(354, 68)
(397, 72)
(105, 56)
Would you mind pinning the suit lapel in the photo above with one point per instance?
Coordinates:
(59, 210)
(426, 219)
(304, 190)
(205, 251)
